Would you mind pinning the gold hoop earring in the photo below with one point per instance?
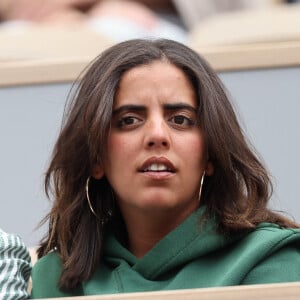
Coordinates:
(88, 196)
(201, 184)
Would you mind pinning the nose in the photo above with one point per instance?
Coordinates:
(157, 134)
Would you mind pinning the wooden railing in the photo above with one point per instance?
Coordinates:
(282, 291)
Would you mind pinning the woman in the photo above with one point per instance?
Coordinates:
(15, 267)
(155, 186)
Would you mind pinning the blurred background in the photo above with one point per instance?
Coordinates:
(44, 45)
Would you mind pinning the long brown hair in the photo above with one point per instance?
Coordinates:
(237, 193)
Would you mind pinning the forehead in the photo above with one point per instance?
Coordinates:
(158, 80)
(163, 69)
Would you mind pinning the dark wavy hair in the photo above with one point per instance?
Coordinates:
(237, 193)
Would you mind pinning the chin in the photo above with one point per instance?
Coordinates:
(160, 204)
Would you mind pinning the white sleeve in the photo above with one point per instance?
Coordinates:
(15, 267)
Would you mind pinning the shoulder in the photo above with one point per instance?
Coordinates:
(15, 266)
(278, 250)
(275, 236)
(13, 252)
(10, 242)
(45, 277)
(46, 272)
(12, 248)
(51, 260)
(268, 238)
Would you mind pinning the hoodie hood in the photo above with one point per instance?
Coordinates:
(192, 239)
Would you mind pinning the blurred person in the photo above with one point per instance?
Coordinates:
(144, 12)
(125, 19)
(119, 19)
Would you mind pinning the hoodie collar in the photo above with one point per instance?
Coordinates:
(192, 239)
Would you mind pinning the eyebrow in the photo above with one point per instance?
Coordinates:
(179, 106)
(170, 107)
(129, 107)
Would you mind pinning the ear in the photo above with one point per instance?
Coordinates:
(97, 171)
(209, 170)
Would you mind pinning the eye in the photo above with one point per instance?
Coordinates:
(182, 121)
(127, 121)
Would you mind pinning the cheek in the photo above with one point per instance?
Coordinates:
(114, 143)
(195, 151)
(119, 150)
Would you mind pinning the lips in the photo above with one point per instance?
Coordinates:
(157, 164)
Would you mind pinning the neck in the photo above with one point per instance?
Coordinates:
(147, 229)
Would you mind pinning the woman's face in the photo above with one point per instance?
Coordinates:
(156, 153)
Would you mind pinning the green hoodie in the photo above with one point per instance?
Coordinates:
(191, 256)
